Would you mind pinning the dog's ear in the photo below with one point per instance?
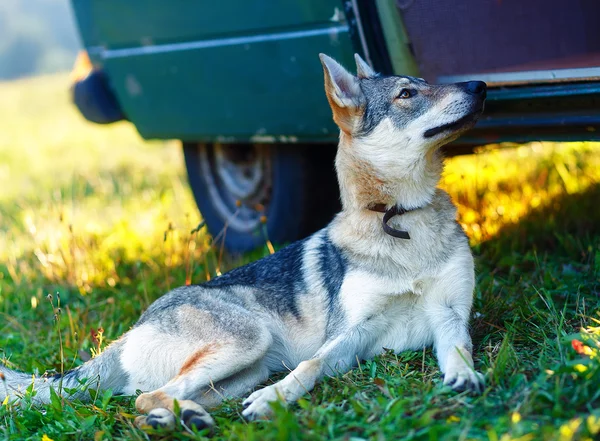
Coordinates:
(343, 93)
(363, 70)
(340, 85)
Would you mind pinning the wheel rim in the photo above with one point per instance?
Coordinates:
(238, 179)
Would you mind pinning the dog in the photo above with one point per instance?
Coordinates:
(392, 270)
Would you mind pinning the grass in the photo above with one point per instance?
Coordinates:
(102, 220)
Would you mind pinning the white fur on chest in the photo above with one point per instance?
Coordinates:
(364, 295)
(394, 307)
(405, 326)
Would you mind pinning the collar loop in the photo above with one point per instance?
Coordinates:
(390, 213)
(394, 211)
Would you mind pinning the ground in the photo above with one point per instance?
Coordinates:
(103, 222)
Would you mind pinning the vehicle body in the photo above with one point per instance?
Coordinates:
(241, 85)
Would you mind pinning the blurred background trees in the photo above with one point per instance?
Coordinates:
(36, 36)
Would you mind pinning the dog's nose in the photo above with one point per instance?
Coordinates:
(476, 88)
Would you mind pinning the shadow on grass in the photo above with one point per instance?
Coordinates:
(540, 278)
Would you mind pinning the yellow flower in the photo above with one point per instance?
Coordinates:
(46, 438)
(452, 419)
(593, 424)
(588, 351)
(515, 417)
(567, 430)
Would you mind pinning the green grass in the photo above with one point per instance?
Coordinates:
(104, 220)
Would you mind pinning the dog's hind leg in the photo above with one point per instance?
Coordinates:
(232, 363)
(235, 386)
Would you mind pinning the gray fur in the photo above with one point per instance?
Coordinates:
(333, 267)
(381, 92)
(226, 308)
(272, 277)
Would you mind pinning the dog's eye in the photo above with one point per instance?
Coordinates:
(405, 93)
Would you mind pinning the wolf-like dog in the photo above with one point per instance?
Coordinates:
(392, 270)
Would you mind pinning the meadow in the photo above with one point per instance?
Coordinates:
(96, 223)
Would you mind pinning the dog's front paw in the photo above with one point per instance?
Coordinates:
(157, 418)
(465, 379)
(197, 419)
(192, 416)
(257, 406)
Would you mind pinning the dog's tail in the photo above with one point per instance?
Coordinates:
(101, 372)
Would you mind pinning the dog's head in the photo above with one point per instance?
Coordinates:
(404, 109)
(391, 130)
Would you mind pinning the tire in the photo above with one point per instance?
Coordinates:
(285, 191)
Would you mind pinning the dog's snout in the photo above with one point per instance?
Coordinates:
(476, 88)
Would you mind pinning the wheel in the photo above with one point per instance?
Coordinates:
(249, 192)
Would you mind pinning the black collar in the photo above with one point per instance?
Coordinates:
(390, 213)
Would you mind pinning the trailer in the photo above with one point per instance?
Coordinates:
(241, 85)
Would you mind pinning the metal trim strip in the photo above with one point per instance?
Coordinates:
(205, 44)
(527, 77)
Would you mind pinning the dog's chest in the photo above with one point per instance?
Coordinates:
(364, 295)
(391, 308)
(404, 326)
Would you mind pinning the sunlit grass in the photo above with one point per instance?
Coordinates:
(105, 219)
(498, 187)
(77, 198)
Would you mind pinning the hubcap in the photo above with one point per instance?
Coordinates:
(238, 178)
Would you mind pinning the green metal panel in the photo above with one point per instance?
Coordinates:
(130, 23)
(260, 91)
(206, 71)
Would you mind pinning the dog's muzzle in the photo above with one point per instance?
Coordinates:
(475, 88)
